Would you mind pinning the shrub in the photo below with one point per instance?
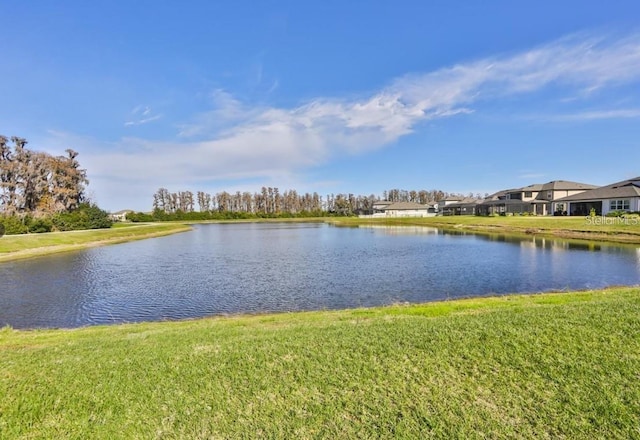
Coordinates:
(139, 217)
(86, 216)
(40, 225)
(1, 229)
(14, 225)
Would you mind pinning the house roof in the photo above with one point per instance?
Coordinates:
(566, 185)
(624, 188)
(464, 202)
(495, 196)
(405, 206)
(559, 185)
(123, 211)
(504, 202)
(534, 187)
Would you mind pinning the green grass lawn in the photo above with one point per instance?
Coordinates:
(31, 245)
(536, 366)
(598, 228)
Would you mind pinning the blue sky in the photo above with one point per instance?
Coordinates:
(326, 96)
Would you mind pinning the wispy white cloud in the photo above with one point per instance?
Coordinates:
(236, 140)
(629, 113)
(141, 115)
(226, 111)
(273, 87)
(576, 63)
(142, 121)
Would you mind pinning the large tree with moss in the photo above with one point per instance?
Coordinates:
(37, 183)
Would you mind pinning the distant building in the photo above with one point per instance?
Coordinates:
(461, 206)
(551, 192)
(537, 199)
(380, 206)
(386, 208)
(120, 216)
(619, 196)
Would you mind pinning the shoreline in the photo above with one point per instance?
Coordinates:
(46, 244)
(502, 226)
(13, 247)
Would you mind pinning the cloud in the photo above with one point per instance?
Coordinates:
(356, 125)
(235, 140)
(273, 87)
(141, 115)
(630, 113)
(226, 111)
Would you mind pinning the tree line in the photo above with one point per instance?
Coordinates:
(271, 202)
(40, 192)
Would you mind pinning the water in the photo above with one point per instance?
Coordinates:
(267, 267)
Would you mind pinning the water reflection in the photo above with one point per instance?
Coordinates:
(249, 268)
(402, 230)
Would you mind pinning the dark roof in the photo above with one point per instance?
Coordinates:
(464, 202)
(624, 188)
(488, 202)
(496, 195)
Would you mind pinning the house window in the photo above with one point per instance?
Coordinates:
(619, 205)
(549, 195)
(528, 194)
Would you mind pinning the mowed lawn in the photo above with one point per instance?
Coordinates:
(29, 245)
(591, 224)
(590, 228)
(563, 365)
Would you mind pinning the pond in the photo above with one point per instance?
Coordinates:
(221, 269)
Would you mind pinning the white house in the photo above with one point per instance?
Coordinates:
(120, 216)
(407, 209)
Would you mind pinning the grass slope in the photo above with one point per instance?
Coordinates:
(597, 228)
(536, 366)
(14, 247)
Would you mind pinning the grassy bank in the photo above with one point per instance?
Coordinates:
(14, 247)
(597, 229)
(537, 366)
